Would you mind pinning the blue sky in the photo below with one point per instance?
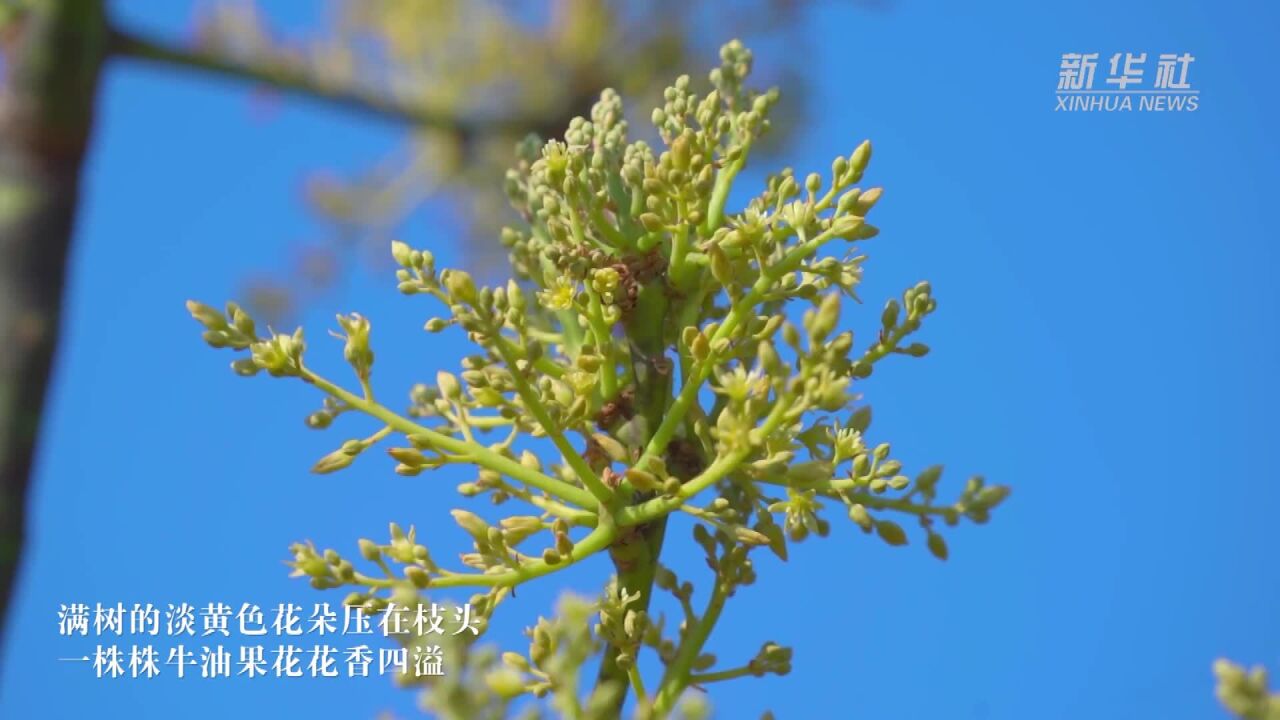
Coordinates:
(1105, 343)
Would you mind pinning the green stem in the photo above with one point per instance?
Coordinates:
(720, 193)
(604, 345)
(678, 674)
(614, 237)
(637, 685)
(720, 675)
(837, 489)
(482, 455)
(622, 201)
(598, 539)
(646, 329)
(574, 516)
(679, 253)
(543, 363)
(487, 422)
(689, 313)
(535, 407)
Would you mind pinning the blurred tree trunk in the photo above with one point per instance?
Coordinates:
(53, 50)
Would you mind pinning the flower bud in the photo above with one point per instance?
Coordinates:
(448, 384)
(206, 316)
(516, 530)
(460, 285)
(369, 549)
(839, 167)
(408, 456)
(824, 321)
(651, 222)
(241, 320)
(245, 367)
(790, 335)
(751, 537)
(847, 227)
(889, 318)
(889, 468)
(530, 460)
(891, 532)
(768, 356)
(515, 661)
(397, 533)
(700, 348)
(417, 576)
(504, 683)
(721, 268)
(334, 461)
(991, 496)
(402, 253)
(847, 201)
(471, 522)
(867, 200)
(788, 187)
(859, 159)
(858, 513)
(680, 150)
(564, 545)
(643, 481)
(865, 232)
(937, 546)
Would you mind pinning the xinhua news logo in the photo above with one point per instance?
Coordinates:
(1126, 87)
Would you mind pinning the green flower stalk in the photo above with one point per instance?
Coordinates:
(668, 355)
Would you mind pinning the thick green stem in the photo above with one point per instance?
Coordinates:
(737, 314)
(646, 329)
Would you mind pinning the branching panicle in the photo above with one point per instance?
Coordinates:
(673, 356)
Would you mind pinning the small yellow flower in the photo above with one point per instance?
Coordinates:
(558, 296)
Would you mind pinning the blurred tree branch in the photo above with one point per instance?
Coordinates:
(300, 81)
(52, 55)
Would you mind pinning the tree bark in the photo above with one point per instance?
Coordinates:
(53, 54)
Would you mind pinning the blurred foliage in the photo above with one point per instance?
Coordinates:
(1244, 692)
(502, 69)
